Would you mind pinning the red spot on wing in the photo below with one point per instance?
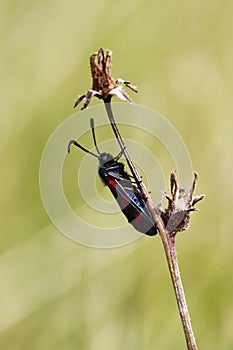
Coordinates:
(111, 182)
(123, 200)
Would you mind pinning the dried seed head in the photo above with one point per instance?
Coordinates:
(104, 86)
(180, 205)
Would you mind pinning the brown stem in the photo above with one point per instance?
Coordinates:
(167, 239)
(133, 170)
(179, 292)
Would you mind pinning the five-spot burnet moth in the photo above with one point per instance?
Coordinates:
(127, 195)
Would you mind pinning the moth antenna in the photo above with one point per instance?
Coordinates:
(75, 143)
(118, 156)
(93, 134)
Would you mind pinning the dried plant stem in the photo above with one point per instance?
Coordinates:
(167, 239)
(171, 254)
(176, 217)
(111, 118)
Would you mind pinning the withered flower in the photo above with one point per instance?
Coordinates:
(104, 86)
(176, 217)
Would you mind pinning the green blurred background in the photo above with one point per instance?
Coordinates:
(54, 293)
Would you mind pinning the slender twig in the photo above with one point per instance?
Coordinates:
(168, 240)
(177, 215)
(180, 295)
(137, 177)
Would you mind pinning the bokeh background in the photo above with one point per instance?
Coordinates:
(56, 294)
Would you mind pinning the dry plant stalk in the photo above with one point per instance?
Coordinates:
(176, 217)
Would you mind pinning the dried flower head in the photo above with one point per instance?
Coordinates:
(104, 86)
(180, 205)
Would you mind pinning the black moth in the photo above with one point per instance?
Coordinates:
(127, 195)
